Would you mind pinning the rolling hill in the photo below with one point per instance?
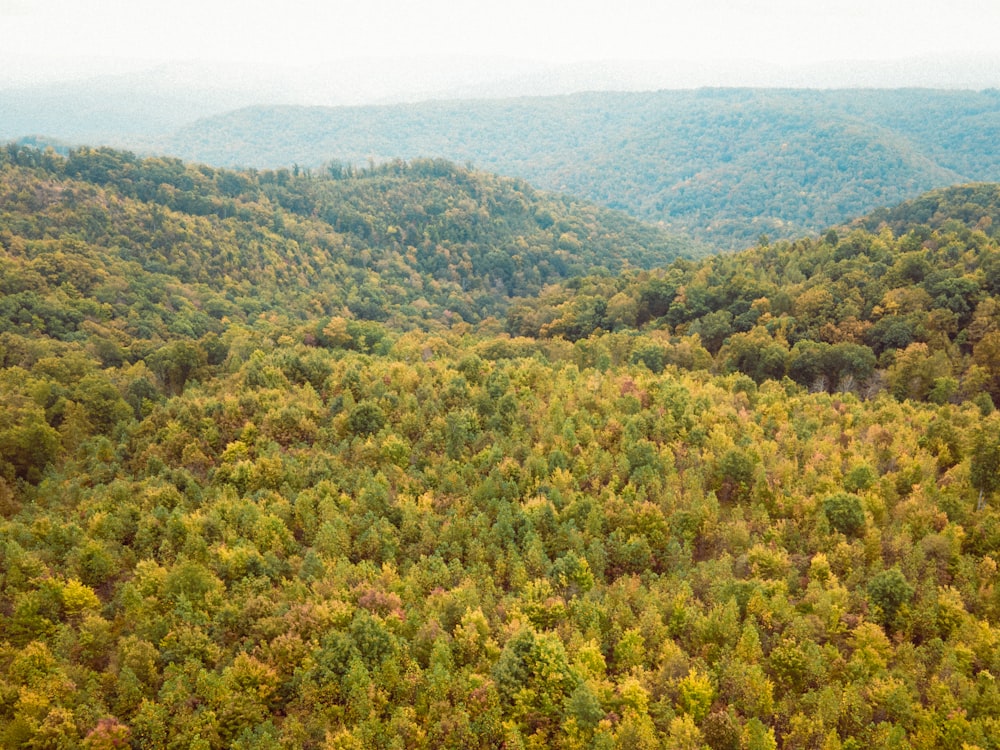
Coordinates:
(402, 241)
(722, 165)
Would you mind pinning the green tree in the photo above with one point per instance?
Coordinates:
(889, 591)
(533, 678)
(27, 443)
(845, 513)
(733, 476)
(366, 418)
(175, 363)
(984, 466)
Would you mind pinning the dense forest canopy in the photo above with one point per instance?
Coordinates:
(403, 240)
(904, 299)
(258, 489)
(722, 165)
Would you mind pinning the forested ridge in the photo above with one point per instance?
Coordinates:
(722, 165)
(263, 483)
(409, 240)
(904, 299)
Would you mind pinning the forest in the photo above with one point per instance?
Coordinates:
(415, 456)
(722, 166)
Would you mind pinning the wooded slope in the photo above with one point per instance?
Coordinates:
(231, 517)
(723, 165)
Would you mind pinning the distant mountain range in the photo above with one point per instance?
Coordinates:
(721, 165)
(118, 84)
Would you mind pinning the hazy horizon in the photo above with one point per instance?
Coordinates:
(118, 72)
(43, 41)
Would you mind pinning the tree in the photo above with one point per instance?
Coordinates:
(714, 328)
(109, 734)
(533, 678)
(757, 354)
(175, 363)
(806, 362)
(915, 371)
(984, 467)
(367, 418)
(27, 443)
(584, 706)
(889, 591)
(846, 360)
(695, 695)
(845, 513)
(733, 478)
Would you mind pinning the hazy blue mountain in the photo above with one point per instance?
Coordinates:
(724, 165)
(106, 101)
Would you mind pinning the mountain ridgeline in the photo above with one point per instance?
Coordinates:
(418, 457)
(408, 241)
(721, 165)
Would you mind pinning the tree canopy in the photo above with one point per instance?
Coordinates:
(694, 506)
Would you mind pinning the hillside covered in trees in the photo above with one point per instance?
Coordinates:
(722, 165)
(405, 241)
(904, 299)
(243, 506)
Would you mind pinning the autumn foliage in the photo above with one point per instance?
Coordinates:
(234, 516)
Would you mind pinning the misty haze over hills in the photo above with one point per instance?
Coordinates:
(117, 106)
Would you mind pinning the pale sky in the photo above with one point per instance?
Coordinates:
(309, 31)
